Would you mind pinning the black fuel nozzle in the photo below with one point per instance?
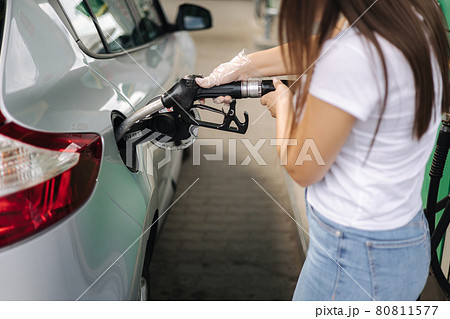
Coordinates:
(182, 96)
(184, 93)
(180, 114)
(239, 89)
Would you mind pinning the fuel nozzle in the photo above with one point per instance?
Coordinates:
(179, 104)
(239, 90)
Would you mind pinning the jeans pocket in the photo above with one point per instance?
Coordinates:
(323, 225)
(399, 268)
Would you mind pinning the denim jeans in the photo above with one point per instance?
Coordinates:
(345, 263)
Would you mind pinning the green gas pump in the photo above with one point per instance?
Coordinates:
(445, 182)
(445, 5)
(443, 250)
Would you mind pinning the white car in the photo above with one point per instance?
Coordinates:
(75, 222)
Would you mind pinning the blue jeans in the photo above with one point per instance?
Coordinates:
(345, 263)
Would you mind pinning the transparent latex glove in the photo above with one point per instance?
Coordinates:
(238, 69)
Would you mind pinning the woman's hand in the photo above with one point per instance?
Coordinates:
(238, 69)
(279, 100)
(243, 67)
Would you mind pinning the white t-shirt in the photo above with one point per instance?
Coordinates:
(384, 192)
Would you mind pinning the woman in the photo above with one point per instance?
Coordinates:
(375, 85)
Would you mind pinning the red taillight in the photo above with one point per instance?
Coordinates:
(43, 178)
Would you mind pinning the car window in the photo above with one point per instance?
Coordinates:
(83, 25)
(108, 26)
(150, 23)
(116, 23)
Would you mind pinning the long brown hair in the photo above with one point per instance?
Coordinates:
(397, 21)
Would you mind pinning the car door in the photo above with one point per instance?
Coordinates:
(62, 84)
(141, 60)
(48, 89)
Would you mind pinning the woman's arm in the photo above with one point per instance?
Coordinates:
(319, 136)
(269, 62)
(264, 63)
(242, 67)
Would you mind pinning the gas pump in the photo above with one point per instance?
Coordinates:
(437, 186)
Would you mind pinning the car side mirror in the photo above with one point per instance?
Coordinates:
(192, 17)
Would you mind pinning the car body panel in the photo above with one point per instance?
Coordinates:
(39, 97)
(103, 243)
